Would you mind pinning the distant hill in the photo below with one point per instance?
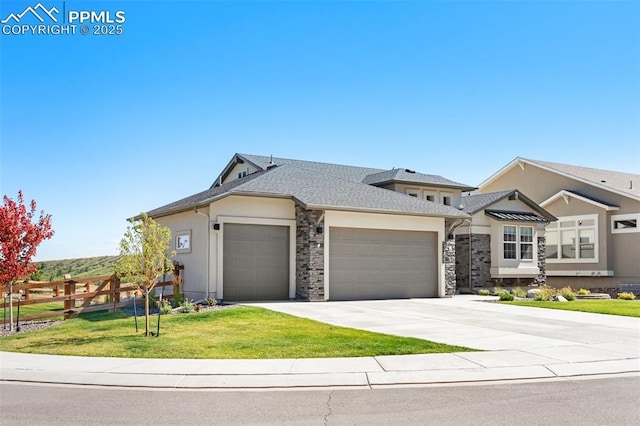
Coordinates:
(54, 270)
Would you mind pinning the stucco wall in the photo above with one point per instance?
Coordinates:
(195, 262)
(253, 210)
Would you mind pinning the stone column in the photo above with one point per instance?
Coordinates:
(449, 257)
(309, 255)
(541, 279)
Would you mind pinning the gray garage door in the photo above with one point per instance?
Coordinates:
(255, 262)
(382, 264)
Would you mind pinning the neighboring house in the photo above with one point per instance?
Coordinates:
(503, 244)
(275, 229)
(595, 243)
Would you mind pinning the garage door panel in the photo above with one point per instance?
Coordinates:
(255, 262)
(377, 264)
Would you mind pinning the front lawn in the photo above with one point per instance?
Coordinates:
(36, 308)
(236, 333)
(629, 308)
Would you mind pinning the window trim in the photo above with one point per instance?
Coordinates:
(618, 217)
(411, 192)
(518, 243)
(575, 219)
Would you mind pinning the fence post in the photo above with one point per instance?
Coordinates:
(58, 290)
(26, 290)
(115, 284)
(177, 281)
(69, 302)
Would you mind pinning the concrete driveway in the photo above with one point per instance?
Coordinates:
(478, 323)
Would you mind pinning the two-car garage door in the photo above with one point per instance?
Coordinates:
(363, 263)
(382, 264)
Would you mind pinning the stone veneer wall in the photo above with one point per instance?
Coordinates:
(309, 256)
(480, 260)
(541, 279)
(449, 256)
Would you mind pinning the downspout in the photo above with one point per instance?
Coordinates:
(195, 210)
(450, 231)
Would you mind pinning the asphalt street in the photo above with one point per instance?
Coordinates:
(593, 401)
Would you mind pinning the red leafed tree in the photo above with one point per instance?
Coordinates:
(20, 235)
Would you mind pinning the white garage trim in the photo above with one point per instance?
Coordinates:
(343, 219)
(256, 221)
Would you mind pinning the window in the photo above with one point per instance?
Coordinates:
(623, 223)
(509, 242)
(242, 174)
(572, 239)
(517, 242)
(445, 198)
(526, 242)
(429, 195)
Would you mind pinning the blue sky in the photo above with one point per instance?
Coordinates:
(98, 128)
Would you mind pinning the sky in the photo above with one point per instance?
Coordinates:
(98, 128)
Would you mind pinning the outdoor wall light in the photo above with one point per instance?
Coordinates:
(215, 226)
(319, 229)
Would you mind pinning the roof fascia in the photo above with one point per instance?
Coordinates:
(568, 194)
(381, 211)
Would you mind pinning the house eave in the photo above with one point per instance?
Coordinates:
(568, 194)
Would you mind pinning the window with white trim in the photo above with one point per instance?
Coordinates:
(623, 223)
(517, 242)
(445, 198)
(412, 192)
(430, 195)
(573, 239)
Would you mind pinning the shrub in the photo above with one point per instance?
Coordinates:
(545, 294)
(211, 301)
(583, 292)
(567, 293)
(519, 292)
(187, 306)
(505, 296)
(165, 307)
(178, 299)
(497, 290)
(626, 296)
(484, 292)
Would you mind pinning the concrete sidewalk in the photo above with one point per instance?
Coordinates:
(520, 343)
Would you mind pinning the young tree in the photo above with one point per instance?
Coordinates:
(20, 237)
(144, 257)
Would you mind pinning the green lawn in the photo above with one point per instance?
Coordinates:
(37, 308)
(239, 332)
(629, 308)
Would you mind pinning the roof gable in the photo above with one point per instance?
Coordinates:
(472, 204)
(566, 195)
(626, 184)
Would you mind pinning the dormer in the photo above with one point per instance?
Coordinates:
(427, 187)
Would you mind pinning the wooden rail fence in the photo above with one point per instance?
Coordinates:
(108, 287)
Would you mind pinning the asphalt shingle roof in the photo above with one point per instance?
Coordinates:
(628, 183)
(407, 176)
(474, 203)
(314, 189)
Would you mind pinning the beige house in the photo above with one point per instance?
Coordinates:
(276, 229)
(595, 242)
